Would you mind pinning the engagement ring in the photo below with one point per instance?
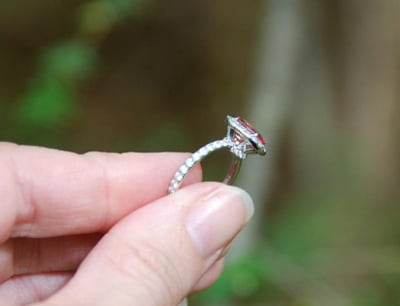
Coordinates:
(241, 139)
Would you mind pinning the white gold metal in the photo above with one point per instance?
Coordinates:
(241, 139)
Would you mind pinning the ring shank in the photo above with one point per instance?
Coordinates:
(233, 170)
(198, 156)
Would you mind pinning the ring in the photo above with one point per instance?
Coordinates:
(241, 139)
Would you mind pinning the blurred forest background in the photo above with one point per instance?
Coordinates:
(319, 79)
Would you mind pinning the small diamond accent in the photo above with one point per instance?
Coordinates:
(189, 162)
(173, 186)
(183, 169)
(203, 151)
(196, 156)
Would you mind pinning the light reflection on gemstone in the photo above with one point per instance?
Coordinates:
(251, 129)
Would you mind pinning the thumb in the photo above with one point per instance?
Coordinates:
(157, 254)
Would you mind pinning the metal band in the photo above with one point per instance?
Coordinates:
(202, 153)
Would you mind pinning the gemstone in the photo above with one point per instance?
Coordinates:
(245, 124)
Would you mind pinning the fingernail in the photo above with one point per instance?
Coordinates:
(217, 218)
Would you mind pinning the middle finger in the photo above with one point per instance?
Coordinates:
(30, 255)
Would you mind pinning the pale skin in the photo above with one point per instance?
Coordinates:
(99, 228)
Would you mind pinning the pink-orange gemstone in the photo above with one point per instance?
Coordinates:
(251, 129)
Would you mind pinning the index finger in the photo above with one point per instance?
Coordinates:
(47, 192)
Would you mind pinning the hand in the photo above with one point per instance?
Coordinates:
(99, 229)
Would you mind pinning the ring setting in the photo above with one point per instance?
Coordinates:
(241, 139)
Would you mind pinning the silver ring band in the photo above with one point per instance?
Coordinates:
(198, 156)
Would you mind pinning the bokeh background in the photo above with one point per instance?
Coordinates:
(318, 78)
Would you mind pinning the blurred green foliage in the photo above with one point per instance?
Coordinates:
(49, 104)
(70, 60)
(98, 17)
(51, 97)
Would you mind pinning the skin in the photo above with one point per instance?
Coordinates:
(99, 228)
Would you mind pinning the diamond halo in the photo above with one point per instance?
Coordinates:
(244, 137)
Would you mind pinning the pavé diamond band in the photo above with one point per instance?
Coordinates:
(241, 139)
